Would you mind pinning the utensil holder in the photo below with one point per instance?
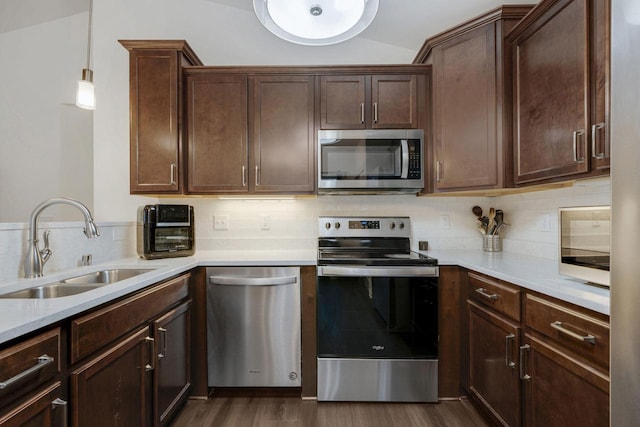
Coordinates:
(492, 243)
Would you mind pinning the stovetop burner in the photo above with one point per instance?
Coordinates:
(381, 241)
(332, 256)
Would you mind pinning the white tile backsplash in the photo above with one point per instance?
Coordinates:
(294, 224)
(67, 243)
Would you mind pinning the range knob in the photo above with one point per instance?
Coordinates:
(327, 225)
(392, 225)
(337, 225)
(401, 225)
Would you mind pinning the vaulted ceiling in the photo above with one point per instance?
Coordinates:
(402, 23)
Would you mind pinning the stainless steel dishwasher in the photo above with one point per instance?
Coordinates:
(253, 326)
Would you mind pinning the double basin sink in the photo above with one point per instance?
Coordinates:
(77, 285)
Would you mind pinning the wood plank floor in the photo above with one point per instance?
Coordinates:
(295, 412)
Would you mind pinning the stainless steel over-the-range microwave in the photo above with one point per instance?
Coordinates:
(585, 243)
(377, 160)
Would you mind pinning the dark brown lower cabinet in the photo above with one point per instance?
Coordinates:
(494, 380)
(560, 390)
(113, 389)
(43, 409)
(173, 365)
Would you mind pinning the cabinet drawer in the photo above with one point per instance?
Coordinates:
(501, 296)
(97, 329)
(29, 364)
(575, 330)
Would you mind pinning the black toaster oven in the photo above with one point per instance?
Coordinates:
(165, 231)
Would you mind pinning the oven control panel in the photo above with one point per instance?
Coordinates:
(364, 226)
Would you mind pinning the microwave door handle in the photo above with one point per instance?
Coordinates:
(404, 145)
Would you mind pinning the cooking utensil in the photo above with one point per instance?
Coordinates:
(499, 217)
(491, 225)
(477, 211)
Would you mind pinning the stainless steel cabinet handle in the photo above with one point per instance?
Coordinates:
(152, 365)
(438, 169)
(174, 169)
(252, 281)
(257, 175)
(362, 112)
(43, 361)
(594, 137)
(483, 292)
(162, 332)
(508, 362)
(557, 325)
(375, 112)
(575, 146)
(523, 376)
(244, 176)
(59, 403)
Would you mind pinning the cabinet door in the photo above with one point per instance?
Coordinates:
(173, 367)
(551, 94)
(600, 48)
(113, 389)
(560, 390)
(494, 380)
(216, 113)
(44, 409)
(155, 109)
(394, 101)
(343, 102)
(283, 135)
(465, 101)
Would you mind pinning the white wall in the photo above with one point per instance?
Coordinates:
(46, 145)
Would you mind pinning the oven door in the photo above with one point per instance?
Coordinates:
(370, 160)
(377, 336)
(378, 317)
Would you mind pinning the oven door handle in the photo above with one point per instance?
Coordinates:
(405, 158)
(373, 271)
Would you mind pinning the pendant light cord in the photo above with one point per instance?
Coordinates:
(89, 35)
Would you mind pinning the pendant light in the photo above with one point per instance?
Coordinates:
(316, 22)
(85, 91)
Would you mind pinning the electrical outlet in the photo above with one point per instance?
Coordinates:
(118, 234)
(444, 222)
(545, 222)
(221, 222)
(266, 222)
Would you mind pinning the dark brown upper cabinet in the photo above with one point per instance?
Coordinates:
(369, 101)
(282, 134)
(561, 91)
(249, 132)
(217, 133)
(155, 96)
(471, 108)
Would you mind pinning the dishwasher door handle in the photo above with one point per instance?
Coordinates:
(252, 281)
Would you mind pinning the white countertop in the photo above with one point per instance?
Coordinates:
(537, 274)
(21, 316)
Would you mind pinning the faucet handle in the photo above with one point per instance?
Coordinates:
(45, 252)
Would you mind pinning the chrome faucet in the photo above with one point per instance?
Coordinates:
(35, 258)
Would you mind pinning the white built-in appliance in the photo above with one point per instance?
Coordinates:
(585, 243)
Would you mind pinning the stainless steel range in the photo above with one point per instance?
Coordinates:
(377, 312)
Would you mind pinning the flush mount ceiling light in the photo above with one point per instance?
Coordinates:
(316, 22)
